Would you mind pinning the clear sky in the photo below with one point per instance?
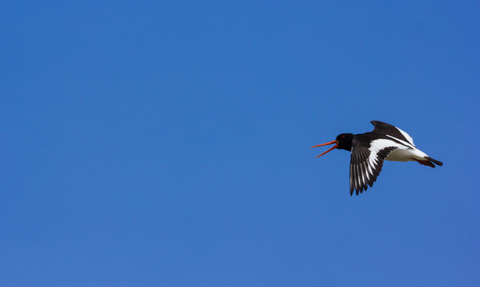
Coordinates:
(167, 143)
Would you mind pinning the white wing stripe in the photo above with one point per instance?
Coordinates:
(402, 141)
(407, 136)
(378, 145)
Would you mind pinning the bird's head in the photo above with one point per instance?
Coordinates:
(343, 141)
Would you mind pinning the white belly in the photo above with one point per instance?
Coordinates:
(406, 155)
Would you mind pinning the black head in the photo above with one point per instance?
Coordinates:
(343, 141)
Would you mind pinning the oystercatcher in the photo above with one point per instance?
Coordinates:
(369, 150)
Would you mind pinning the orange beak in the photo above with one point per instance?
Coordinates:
(332, 148)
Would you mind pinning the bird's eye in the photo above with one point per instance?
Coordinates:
(342, 136)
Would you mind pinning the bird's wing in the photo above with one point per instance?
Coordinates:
(366, 162)
(393, 132)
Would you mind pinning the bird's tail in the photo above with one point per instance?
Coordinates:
(437, 162)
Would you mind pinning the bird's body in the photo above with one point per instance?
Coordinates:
(369, 150)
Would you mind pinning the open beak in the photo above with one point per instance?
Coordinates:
(332, 148)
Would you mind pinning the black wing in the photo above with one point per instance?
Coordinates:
(366, 162)
(393, 131)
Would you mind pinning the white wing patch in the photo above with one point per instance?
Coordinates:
(375, 147)
(378, 145)
(407, 136)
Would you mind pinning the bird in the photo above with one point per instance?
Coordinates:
(369, 150)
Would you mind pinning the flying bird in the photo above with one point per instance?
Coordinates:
(369, 150)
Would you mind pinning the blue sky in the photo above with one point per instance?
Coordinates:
(167, 143)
